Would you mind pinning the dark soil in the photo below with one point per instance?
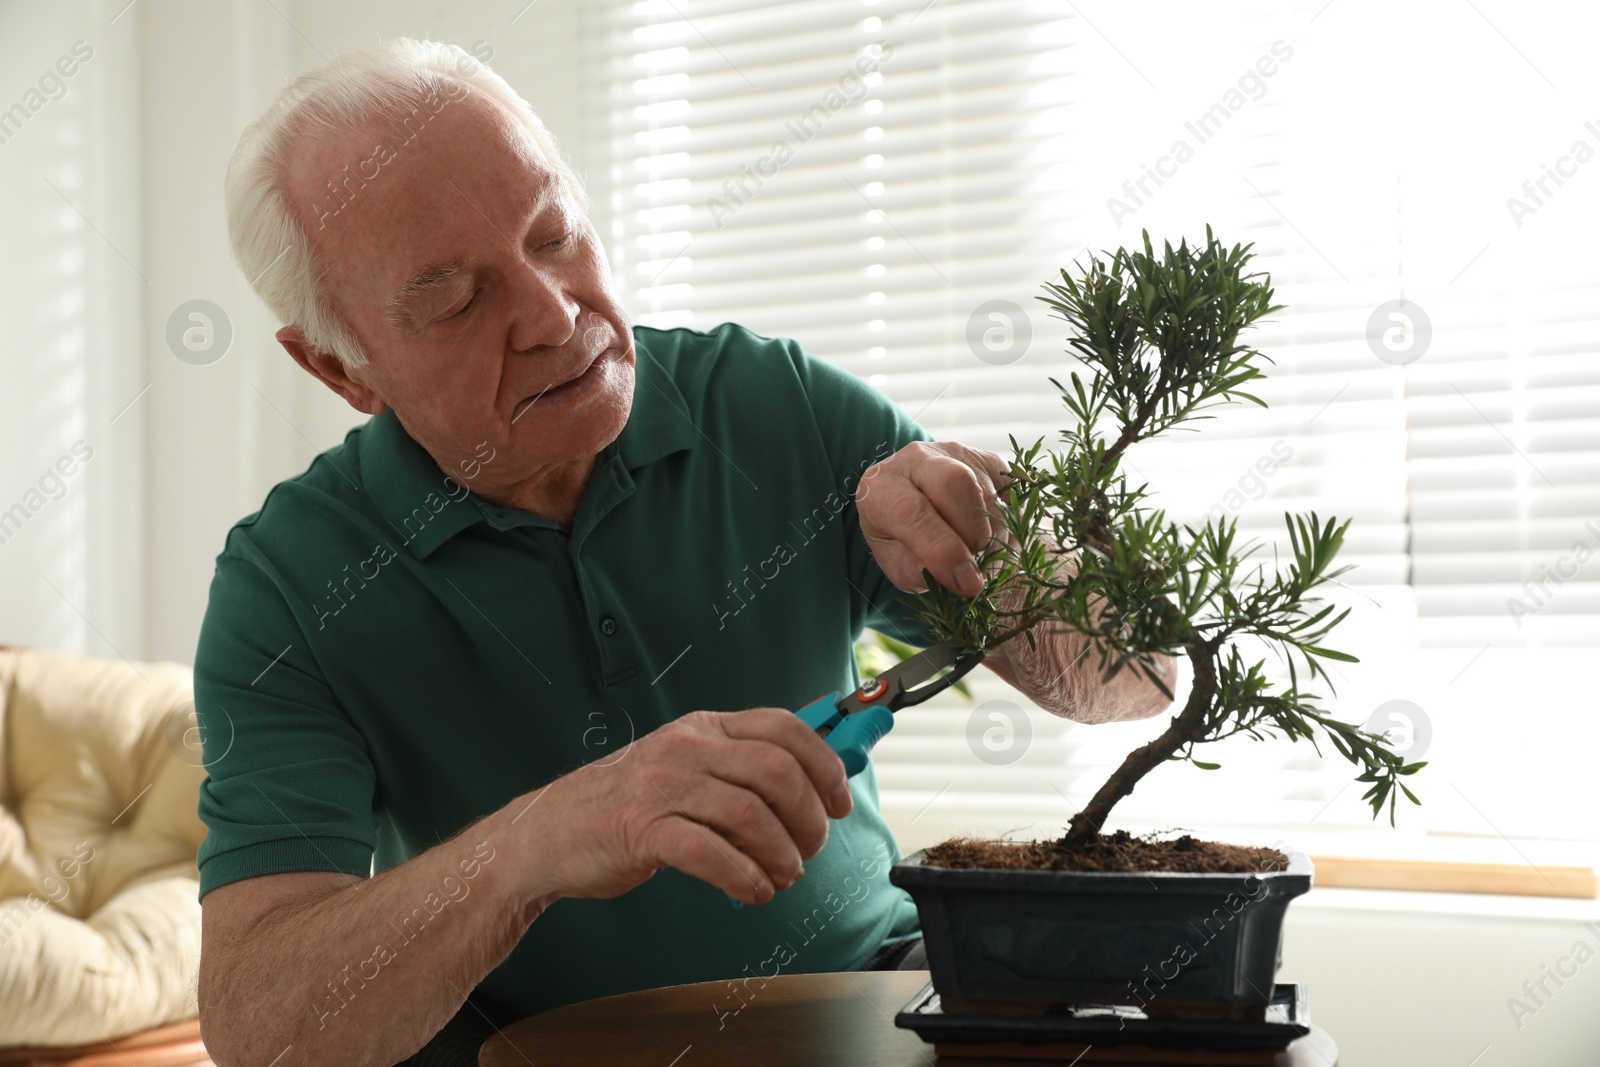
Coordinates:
(1119, 851)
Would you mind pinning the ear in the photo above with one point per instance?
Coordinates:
(330, 370)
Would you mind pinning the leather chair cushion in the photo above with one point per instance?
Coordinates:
(99, 911)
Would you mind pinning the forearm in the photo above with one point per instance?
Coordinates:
(1062, 676)
(367, 973)
(1062, 672)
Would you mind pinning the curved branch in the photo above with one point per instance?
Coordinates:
(1186, 728)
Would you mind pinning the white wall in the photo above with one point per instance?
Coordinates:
(71, 293)
(1407, 979)
(121, 563)
(213, 444)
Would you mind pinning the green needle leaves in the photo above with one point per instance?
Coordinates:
(1158, 335)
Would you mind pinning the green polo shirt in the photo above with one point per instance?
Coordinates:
(386, 657)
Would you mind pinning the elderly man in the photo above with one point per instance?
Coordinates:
(450, 676)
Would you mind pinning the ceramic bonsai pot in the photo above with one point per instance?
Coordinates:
(1172, 945)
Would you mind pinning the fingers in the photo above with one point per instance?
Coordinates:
(953, 489)
(899, 564)
(738, 799)
(961, 485)
(774, 778)
(929, 538)
(993, 463)
(745, 818)
(799, 749)
(703, 853)
(998, 471)
(930, 507)
(882, 525)
(764, 788)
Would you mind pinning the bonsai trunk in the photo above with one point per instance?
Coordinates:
(1186, 728)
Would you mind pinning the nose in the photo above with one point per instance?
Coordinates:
(545, 313)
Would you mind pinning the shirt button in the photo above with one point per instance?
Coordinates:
(608, 626)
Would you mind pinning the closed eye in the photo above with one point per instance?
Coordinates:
(463, 309)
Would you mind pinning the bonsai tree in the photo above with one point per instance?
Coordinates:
(1159, 335)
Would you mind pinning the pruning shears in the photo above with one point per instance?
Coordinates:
(854, 722)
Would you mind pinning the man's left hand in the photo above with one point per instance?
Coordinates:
(930, 506)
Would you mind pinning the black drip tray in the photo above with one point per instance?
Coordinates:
(1288, 1017)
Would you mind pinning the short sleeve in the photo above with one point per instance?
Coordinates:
(860, 427)
(290, 784)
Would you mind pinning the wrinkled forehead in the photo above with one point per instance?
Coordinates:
(422, 183)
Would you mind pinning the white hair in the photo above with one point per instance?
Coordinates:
(387, 82)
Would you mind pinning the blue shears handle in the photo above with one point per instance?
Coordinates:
(851, 736)
(853, 722)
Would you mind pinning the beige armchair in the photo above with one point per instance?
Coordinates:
(100, 770)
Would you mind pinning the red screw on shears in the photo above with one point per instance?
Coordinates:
(871, 690)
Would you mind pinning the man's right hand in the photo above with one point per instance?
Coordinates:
(738, 799)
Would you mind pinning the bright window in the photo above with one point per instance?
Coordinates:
(890, 183)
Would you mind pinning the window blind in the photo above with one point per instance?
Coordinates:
(70, 513)
(890, 183)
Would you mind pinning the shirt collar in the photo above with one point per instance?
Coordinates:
(424, 509)
(659, 423)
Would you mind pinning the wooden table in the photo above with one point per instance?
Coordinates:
(842, 1020)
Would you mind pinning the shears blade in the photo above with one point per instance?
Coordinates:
(903, 684)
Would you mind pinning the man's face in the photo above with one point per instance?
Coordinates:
(476, 285)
